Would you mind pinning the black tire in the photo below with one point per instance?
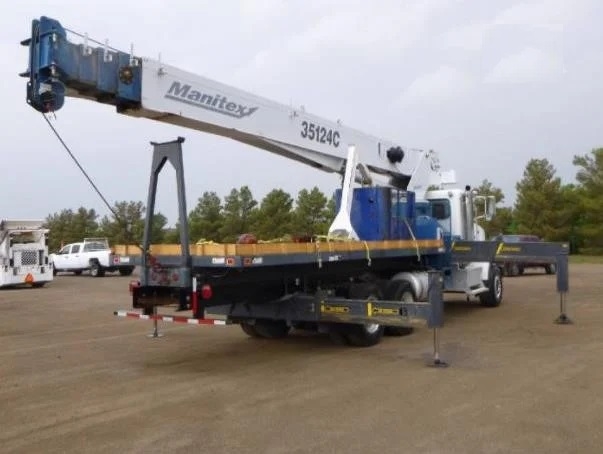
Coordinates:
(551, 268)
(54, 271)
(126, 271)
(514, 269)
(38, 284)
(249, 329)
(493, 297)
(271, 329)
(338, 334)
(364, 335)
(398, 331)
(78, 272)
(404, 292)
(96, 270)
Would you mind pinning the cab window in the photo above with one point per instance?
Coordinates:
(440, 210)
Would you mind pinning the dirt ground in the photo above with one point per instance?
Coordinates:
(74, 378)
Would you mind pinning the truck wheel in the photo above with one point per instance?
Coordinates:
(493, 297)
(96, 270)
(78, 272)
(126, 271)
(403, 293)
(338, 334)
(249, 329)
(271, 329)
(514, 269)
(551, 268)
(364, 335)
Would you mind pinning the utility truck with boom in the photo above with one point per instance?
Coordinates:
(24, 253)
(404, 232)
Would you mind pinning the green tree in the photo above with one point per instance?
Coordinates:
(158, 228)
(239, 211)
(503, 222)
(588, 223)
(539, 197)
(274, 217)
(206, 219)
(487, 188)
(331, 213)
(312, 214)
(128, 226)
(68, 226)
(172, 235)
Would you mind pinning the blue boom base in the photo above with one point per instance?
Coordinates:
(380, 214)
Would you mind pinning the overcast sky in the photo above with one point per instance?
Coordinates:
(488, 85)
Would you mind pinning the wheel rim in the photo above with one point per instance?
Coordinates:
(371, 328)
(407, 297)
(497, 287)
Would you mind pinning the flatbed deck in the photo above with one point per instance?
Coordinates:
(280, 253)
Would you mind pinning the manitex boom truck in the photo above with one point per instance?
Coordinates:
(403, 233)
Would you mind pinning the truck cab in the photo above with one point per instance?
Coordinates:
(457, 212)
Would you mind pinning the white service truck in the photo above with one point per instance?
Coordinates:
(92, 254)
(24, 253)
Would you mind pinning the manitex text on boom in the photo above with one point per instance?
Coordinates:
(216, 103)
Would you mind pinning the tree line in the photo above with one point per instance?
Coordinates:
(544, 206)
(554, 210)
(277, 215)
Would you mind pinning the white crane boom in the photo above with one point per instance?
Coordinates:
(147, 88)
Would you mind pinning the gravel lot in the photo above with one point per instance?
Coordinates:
(74, 378)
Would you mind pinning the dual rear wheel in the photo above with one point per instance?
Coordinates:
(357, 335)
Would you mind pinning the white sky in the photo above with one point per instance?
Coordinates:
(488, 85)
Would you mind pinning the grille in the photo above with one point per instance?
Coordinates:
(29, 257)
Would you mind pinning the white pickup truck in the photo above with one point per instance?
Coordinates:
(93, 254)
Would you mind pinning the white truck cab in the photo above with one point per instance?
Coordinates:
(92, 254)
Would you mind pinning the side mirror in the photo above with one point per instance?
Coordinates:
(490, 207)
(485, 207)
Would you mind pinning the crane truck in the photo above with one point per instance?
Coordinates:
(404, 232)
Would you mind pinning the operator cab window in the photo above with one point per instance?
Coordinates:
(440, 210)
(75, 248)
(65, 250)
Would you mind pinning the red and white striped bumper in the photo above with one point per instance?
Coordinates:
(171, 318)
